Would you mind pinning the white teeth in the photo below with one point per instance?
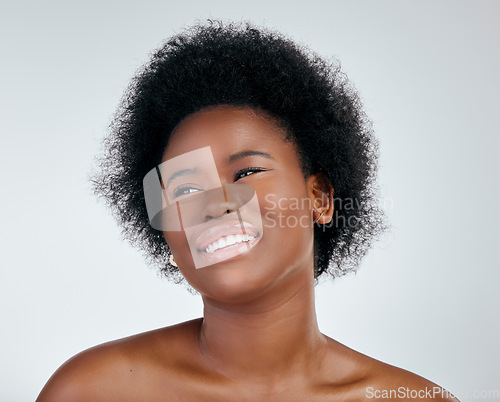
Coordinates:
(230, 240)
(227, 241)
(221, 243)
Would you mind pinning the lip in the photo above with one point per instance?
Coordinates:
(226, 253)
(226, 228)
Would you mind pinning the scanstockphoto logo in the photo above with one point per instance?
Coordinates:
(407, 393)
(479, 394)
(279, 216)
(430, 393)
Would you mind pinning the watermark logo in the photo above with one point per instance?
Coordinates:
(429, 393)
(185, 194)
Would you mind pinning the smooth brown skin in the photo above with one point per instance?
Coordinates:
(259, 339)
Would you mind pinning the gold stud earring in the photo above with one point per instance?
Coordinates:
(172, 261)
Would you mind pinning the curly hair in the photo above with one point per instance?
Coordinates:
(213, 64)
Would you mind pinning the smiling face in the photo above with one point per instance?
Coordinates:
(220, 221)
(249, 219)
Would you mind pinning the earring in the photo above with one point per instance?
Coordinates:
(318, 218)
(172, 261)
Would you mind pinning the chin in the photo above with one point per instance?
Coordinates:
(248, 276)
(236, 280)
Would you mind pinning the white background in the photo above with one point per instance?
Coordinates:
(426, 297)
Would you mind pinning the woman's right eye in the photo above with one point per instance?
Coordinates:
(184, 190)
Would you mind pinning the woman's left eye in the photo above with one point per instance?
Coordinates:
(247, 172)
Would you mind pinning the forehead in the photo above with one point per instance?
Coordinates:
(226, 130)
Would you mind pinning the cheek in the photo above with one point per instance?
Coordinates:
(288, 232)
(286, 215)
(179, 246)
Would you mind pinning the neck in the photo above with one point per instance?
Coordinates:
(274, 337)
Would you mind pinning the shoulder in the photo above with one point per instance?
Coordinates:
(394, 383)
(124, 369)
(365, 378)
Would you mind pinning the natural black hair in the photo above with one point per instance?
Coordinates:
(216, 63)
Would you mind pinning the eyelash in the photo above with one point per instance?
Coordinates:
(177, 192)
(247, 170)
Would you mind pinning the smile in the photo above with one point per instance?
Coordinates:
(226, 240)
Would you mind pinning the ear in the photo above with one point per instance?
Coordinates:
(320, 193)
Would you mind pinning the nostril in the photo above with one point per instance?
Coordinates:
(210, 217)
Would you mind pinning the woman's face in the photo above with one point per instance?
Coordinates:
(281, 249)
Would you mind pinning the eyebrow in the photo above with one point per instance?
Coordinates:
(232, 158)
(244, 154)
(179, 173)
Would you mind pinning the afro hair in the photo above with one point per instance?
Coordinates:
(215, 63)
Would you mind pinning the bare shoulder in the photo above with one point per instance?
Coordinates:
(371, 379)
(124, 369)
(390, 382)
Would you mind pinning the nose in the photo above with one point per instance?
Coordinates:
(218, 202)
(204, 206)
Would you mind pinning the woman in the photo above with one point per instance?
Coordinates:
(243, 164)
